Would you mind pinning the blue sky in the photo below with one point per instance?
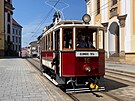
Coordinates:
(32, 15)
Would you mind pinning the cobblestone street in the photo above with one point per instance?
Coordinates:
(19, 81)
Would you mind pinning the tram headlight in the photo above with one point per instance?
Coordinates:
(86, 18)
(87, 68)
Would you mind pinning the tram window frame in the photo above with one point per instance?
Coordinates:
(67, 39)
(101, 39)
(83, 32)
(43, 43)
(95, 39)
(46, 42)
(51, 41)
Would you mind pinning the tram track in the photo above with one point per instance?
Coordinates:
(120, 76)
(109, 75)
(35, 63)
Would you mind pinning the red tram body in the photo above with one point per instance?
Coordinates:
(64, 61)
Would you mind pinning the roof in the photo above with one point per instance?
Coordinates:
(33, 42)
(16, 23)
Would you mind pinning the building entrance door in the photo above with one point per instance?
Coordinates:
(114, 43)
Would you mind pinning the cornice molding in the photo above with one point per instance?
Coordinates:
(122, 19)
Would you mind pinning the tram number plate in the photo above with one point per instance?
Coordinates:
(86, 54)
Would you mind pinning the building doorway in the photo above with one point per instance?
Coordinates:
(113, 42)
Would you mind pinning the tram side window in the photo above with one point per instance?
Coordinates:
(50, 41)
(57, 40)
(42, 44)
(67, 38)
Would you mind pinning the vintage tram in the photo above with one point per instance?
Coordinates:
(72, 53)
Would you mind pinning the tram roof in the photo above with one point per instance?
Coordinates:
(69, 24)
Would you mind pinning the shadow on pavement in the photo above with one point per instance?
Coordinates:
(111, 84)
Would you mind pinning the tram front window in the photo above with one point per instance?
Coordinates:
(84, 39)
(84, 42)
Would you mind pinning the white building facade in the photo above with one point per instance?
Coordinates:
(16, 37)
(118, 17)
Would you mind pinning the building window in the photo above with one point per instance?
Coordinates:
(19, 40)
(16, 48)
(8, 39)
(13, 31)
(8, 28)
(13, 47)
(8, 17)
(19, 32)
(114, 9)
(16, 32)
(13, 39)
(19, 47)
(98, 6)
(16, 40)
(114, 2)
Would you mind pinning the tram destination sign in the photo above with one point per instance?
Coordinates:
(86, 54)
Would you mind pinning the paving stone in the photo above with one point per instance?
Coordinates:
(19, 81)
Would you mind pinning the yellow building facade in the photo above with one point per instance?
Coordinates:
(118, 17)
(1, 27)
(6, 41)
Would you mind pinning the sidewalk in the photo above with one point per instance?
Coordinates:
(120, 67)
(19, 81)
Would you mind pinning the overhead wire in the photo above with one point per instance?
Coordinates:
(42, 22)
(44, 19)
(92, 13)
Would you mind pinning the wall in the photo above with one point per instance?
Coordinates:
(1, 27)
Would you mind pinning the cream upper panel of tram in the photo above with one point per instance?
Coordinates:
(69, 24)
